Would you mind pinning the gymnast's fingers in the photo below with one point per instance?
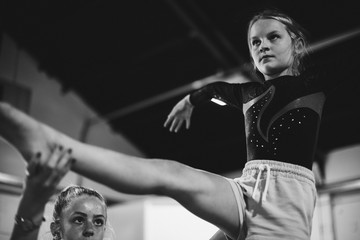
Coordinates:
(54, 157)
(33, 165)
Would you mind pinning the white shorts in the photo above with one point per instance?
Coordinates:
(276, 200)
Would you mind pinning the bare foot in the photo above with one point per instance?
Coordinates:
(25, 133)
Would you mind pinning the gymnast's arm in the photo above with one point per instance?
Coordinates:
(182, 111)
(43, 176)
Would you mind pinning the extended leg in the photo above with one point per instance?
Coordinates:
(207, 195)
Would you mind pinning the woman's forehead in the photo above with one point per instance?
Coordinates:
(86, 204)
(265, 26)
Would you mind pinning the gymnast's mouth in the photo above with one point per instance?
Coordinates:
(265, 57)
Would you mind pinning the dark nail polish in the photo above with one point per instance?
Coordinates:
(38, 155)
(69, 150)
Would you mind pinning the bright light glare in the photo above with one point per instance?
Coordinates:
(219, 102)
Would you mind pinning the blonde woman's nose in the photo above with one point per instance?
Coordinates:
(89, 230)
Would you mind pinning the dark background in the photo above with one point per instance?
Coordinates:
(119, 55)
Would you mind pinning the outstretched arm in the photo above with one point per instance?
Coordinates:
(43, 176)
(180, 113)
(207, 195)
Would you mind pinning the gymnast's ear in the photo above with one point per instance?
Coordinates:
(299, 46)
(55, 230)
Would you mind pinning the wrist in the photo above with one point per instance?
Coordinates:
(187, 100)
(28, 224)
(30, 210)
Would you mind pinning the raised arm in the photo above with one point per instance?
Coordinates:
(43, 176)
(182, 111)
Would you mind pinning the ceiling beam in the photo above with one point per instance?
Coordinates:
(201, 28)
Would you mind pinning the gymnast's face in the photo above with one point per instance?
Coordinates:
(271, 48)
(84, 218)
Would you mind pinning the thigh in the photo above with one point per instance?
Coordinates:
(218, 201)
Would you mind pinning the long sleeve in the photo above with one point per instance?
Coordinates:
(229, 93)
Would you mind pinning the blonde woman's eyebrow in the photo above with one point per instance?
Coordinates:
(267, 34)
(99, 216)
(85, 215)
(273, 32)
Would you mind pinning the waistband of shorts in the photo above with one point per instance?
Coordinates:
(277, 167)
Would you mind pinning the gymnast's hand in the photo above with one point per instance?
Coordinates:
(181, 113)
(43, 176)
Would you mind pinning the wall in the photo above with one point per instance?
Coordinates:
(64, 111)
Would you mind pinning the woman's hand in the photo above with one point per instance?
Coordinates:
(181, 113)
(43, 177)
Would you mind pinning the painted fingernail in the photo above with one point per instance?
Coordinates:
(38, 155)
(61, 148)
(69, 150)
(73, 161)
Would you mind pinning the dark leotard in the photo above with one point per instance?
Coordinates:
(282, 116)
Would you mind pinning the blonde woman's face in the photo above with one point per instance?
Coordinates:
(271, 48)
(84, 219)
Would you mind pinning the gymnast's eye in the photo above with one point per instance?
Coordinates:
(78, 220)
(255, 42)
(273, 37)
(99, 222)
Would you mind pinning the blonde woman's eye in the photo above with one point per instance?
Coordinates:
(78, 220)
(274, 37)
(255, 43)
(99, 222)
